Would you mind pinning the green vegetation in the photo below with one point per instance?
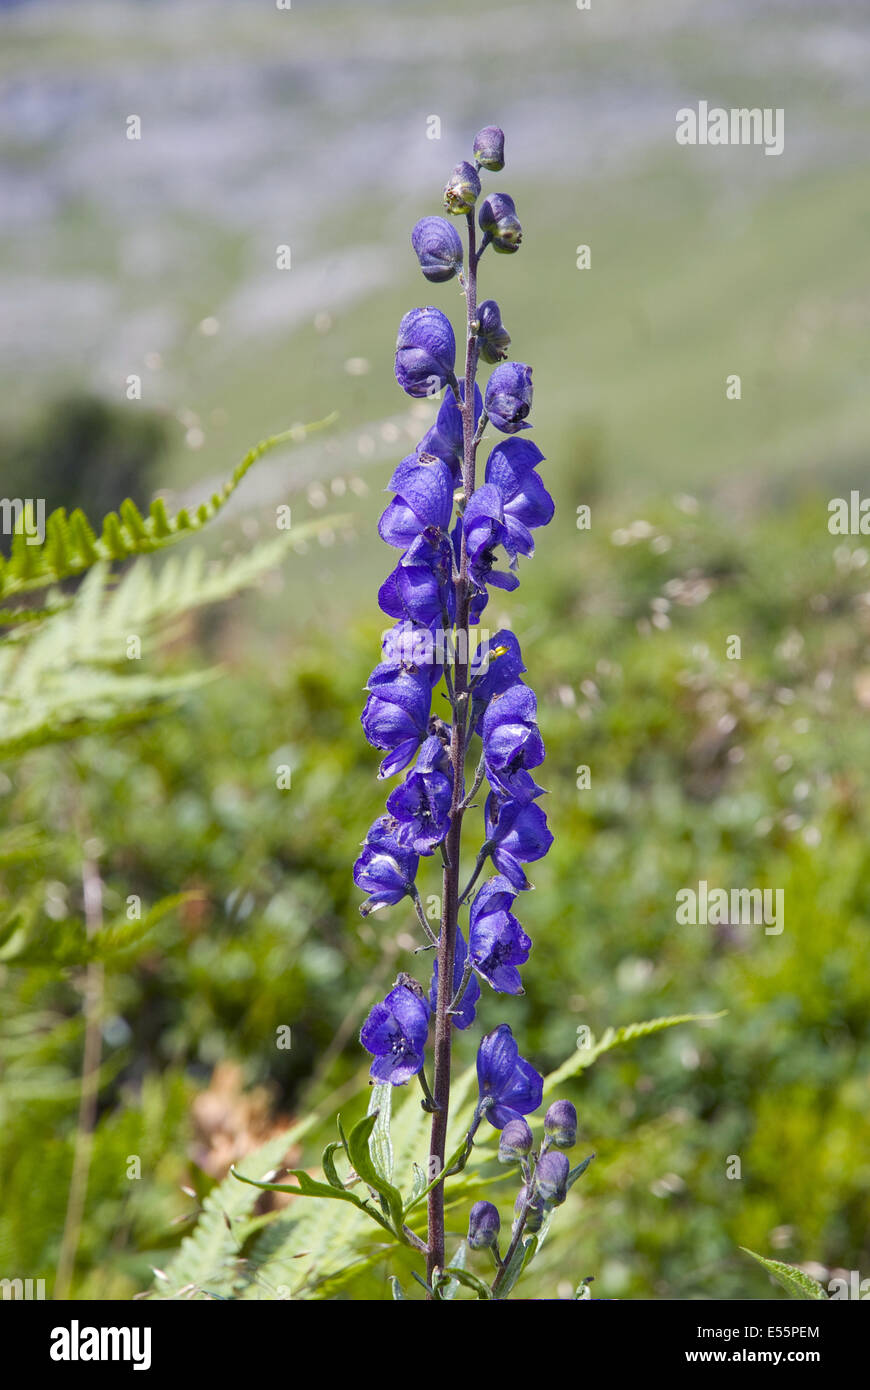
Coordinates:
(744, 772)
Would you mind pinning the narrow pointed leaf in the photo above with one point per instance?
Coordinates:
(795, 1281)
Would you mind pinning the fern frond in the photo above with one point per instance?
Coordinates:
(207, 1263)
(61, 680)
(18, 617)
(22, 844)
(66, 943)
(616, 1037)
(71, 545)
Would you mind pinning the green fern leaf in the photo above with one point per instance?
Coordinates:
(616, 1037)
(70, 945)
(70, 675)
(71, 545)
(208, 1261)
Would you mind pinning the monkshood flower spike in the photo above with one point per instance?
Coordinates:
(459, 731)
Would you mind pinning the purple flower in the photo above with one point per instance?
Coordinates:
(511, 467)
(396, 713)
(492, 336)
(420, 588)
(516, 1141)
(479, 600)
(484, 1224)
(411, 647)
(495, 667)
(425, 352)
(499, 222)
(395, 1033)
(551, 1177)
(496, 940)
(384, 870)
(438, 248)
(463, 188)
(445, 437)
(510, 1084)
(511, 738)
(523, 788)
(421, 805)
(508, 396)
(560, 1124)
(465, 1011)
(485, 530)
(424, 497)
(518, 833)
(489, 148)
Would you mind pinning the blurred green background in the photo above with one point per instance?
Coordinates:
(156, 258)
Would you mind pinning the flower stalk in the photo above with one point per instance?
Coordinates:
(444, 578)
(450, 898)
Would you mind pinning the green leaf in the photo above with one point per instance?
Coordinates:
(398, 1293)
(525, 1249)
(447, 1287)
(795, 1282)
(616, 1037)
(380, 1145)
(578, 1172)
(327, 1163)
(458, 1276)
(306, 1186)
(343, 1137)
(360, 1157)
(71, 545)
(418, 1186)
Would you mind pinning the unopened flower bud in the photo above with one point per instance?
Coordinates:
(439, 250)
(492, 336)
(489, 148)
(560, 1124)
(484, 1225)
(498, 219)
(463, 188)
(508, 396)
(535, 1213)
(515, 1142)
(551, 1177)
(425, 352)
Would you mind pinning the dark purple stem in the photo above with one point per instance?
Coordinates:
(450, 899)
